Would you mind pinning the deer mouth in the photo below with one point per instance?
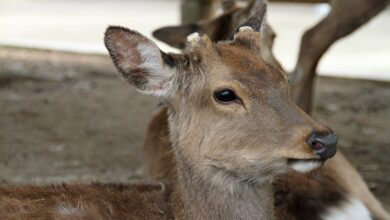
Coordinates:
(304, 165)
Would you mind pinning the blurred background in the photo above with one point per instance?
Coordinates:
(66, 115)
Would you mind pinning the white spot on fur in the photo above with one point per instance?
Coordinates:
(245, 28)
(352, 209)
(159, 75)
(194, 37)
(305, 166)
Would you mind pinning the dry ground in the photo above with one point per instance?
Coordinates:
(70, 117)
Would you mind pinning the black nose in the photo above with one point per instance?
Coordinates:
(324, 144)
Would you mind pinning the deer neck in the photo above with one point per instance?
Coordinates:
(208, 194)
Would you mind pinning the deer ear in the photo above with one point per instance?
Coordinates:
(250, 33)
(255, 33)
(175, 36)
(217, 29)
(140, 61)
(256, 20)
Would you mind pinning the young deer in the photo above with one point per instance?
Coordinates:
(233, 129)
(338, 173)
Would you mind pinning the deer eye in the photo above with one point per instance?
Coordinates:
(225, 96)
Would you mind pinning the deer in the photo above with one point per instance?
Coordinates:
(233, 129)
(345, 17)
(338, 172)
(221, 28)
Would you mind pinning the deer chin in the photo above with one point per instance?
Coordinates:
(304, 165)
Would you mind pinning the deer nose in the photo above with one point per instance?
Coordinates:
(323, 144)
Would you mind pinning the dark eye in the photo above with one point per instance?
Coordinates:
(225, 96)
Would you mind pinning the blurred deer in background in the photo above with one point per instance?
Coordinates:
(345, 17)
(244, 132)
(337, 172)
(221, 28)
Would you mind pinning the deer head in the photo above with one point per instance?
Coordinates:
(230, 111)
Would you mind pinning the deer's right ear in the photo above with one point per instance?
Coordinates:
(217, 29)
(140, 61)
(175, 36)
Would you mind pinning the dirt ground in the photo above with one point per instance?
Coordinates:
(70, 117)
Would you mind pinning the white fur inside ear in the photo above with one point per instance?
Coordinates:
(194, 37)
(245, 28)
(351, 209)
(159, 75)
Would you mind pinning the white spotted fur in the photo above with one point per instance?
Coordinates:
(352, 209)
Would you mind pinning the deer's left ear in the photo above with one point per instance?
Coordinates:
(140, 61)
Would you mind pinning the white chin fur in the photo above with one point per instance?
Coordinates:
(304, 166)
(352, 209)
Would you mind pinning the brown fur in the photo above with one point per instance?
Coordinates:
(77, 201)
(158, 156)
(306, 197)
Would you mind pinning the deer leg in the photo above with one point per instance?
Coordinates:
(345, 17)
(346, 176)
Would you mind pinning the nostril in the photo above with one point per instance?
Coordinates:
(324, 144)
(316, 145)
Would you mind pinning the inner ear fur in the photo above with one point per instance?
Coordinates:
(140, 61)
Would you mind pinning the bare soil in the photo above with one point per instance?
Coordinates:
(71, 117)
